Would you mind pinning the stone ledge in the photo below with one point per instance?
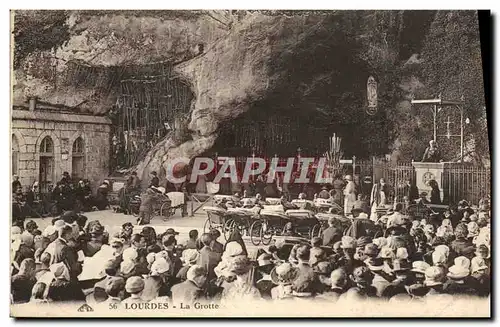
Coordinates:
(59, 117)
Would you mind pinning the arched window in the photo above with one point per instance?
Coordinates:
(78, 146)
(78, 159)
(47, 147)
(15, 155)
(46, 173)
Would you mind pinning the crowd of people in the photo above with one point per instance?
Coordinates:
(415, 259)
(66, 195)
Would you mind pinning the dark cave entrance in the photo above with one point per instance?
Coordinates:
(322, 89)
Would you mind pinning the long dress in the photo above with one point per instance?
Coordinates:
(349, 197)
(378, 198)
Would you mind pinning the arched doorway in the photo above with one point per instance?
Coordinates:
(15, 155)
(46, 176)
(78, 159)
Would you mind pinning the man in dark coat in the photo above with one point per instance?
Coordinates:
(209, 259)
(332, 234)
(192, 289)
(304, 271)
(64, 253)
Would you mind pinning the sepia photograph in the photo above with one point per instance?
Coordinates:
(250, 163)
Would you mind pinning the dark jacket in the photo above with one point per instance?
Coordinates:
(186, 292)
(462, 247)
(182, 273)
(209, 259)
(64, 291)
(68, 255)
(217, 247)
(469, 287)
(24, 252)
(21, 287)
(331, 235)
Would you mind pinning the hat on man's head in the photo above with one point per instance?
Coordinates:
(374, 264)
(135, 284)
(395, 230)
(348, 242)
(460, 268)
(171, 231)
(420, 266)
(434, 276)
(417, 290)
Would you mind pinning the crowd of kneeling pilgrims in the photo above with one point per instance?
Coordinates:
(413, 260)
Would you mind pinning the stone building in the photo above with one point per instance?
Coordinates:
(48, 142)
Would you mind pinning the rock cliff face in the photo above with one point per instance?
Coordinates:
(231, 60)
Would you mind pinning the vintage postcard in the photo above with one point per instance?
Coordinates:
(249, 163)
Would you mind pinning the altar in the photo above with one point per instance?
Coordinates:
(441, 173)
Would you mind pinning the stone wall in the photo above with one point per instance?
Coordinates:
(31, 127)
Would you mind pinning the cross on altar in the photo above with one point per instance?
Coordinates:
(448, 133)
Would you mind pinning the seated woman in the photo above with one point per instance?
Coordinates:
(101, 201)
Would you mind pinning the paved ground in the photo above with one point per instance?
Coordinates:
(113, 221)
